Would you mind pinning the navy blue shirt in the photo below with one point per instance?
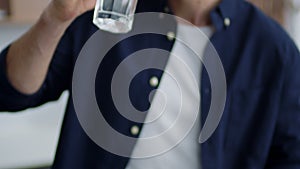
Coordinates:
(260, 127)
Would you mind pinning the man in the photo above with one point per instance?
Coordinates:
(261, 121)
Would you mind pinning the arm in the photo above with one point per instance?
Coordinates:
(29, 57)
(285, 150)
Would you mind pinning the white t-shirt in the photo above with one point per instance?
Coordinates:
(187, 153)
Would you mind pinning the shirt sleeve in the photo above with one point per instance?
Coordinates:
(58, 79)
(285, 150)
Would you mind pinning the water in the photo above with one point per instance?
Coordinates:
(113, 22)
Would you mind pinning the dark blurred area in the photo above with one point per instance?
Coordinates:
(4, 8)
(4, 5)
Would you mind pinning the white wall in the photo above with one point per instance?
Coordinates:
(28, 138)
(292, 16)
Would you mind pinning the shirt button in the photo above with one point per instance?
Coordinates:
(171, 36)
(167, 9)
(227, 22)
(153, 81)
(135, 130)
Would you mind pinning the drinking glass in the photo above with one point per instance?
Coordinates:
(115, 16)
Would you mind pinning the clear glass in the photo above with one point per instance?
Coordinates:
(115, 16)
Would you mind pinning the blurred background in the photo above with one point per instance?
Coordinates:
(28, 139)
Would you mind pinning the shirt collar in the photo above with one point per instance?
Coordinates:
(221, 16)
(224, 14)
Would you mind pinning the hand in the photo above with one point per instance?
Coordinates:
(67, 10)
